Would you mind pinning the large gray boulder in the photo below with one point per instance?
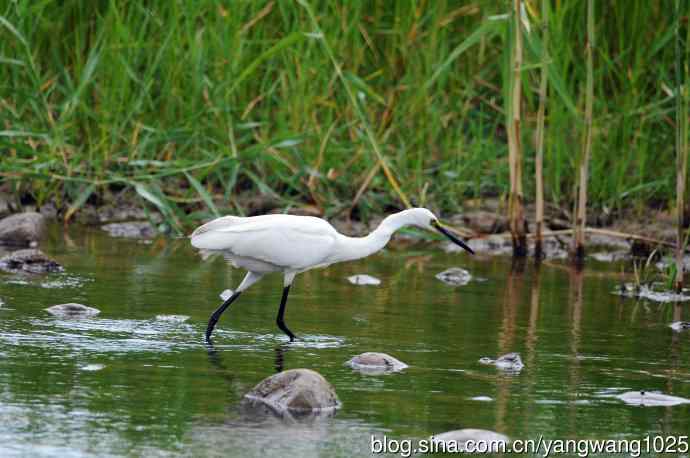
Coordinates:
(295, 390)
(29, 260)
(22, 229)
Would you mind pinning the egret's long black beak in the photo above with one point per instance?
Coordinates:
(439, 227)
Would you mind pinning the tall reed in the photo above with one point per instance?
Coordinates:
(539, 159)
(581, 203)
(515, 204)
(682, 83)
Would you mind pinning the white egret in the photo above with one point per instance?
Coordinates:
(294, 244)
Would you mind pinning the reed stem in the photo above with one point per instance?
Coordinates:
(539, 160)
(581, 203)
(681, 71)
(515, 207)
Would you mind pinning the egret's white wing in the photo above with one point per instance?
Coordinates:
(287, 241)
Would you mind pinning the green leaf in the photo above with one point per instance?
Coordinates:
(488, 28)
(11, 28)
(208, 200)
(362, 86)
(147, 194)
(79, 201)
(288, 143)
(291, 39)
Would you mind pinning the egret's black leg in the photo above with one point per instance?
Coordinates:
(216, 315)
(281, 313)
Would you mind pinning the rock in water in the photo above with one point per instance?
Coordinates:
(22, 229)
(680, 326)
(376, 363)
(295, 390)
(29, 260)
(131, 230)
(483, 441)
(649, 399)
(363, 279)
(508, 362)
(455, 276)
(72, 310)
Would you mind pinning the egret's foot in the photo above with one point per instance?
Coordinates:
(285, 329)
(216, 315)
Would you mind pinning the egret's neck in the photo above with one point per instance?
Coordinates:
(351, 248)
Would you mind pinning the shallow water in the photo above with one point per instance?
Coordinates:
(132, 382)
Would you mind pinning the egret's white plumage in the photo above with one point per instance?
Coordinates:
(293, 244)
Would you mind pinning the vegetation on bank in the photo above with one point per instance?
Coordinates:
(340, 105)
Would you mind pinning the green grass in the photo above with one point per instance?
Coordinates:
(192, 104)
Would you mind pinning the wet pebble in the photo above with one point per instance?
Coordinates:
(484, 222)
(72, 310)
(375, 363)
(363, 279)
(676, 326)
(455, 276)
(131, 230)
(457, 441)
(22, 229)
(508, 362)
(296, 390)
(172, 318)
(651, 399)
(29, 260)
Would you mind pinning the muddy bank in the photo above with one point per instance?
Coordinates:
(483, 223)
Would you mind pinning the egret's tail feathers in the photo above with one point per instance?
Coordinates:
(217, 223)
(205, 254)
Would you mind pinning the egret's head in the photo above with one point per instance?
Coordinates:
(421, 217)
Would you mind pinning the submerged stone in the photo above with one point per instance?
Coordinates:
(508, 362)
(172, 318)
(680, 326)
(363, 279)
(376, 363)
(455, 276)
(131, 230)
(29, 260)
(72, 310)
(483, 441)
(22, 229)
(648, 292)
(295, 390)
(650, 399)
